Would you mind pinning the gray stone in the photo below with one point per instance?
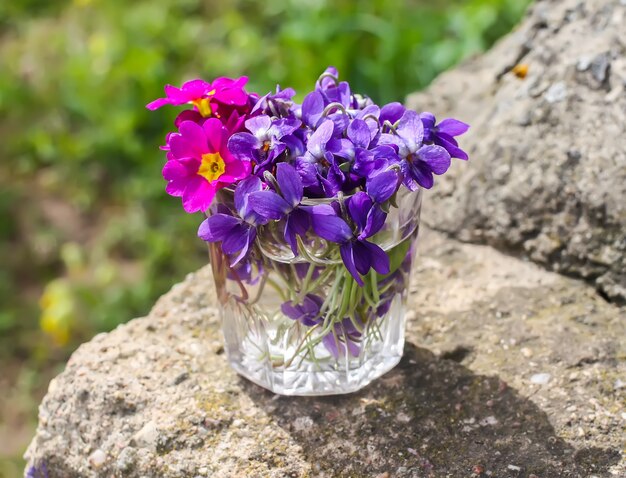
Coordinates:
(462, 401)
(547, 172)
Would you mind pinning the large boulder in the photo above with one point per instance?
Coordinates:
(547, 175)
(509, 371)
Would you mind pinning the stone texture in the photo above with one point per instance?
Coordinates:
(509, 371)
(547, 175)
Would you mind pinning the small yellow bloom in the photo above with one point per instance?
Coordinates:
(57, 311)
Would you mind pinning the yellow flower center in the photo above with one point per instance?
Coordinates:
(203, 105)
(211, 167)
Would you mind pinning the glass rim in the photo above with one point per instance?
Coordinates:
(306, 201)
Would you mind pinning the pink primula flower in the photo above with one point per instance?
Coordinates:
(206, 97)
(199, 164)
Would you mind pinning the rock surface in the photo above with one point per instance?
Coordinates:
(509, 371)
(547, 175)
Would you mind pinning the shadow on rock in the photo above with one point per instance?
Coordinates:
(430, 417)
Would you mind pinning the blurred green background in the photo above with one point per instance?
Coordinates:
(88, 238)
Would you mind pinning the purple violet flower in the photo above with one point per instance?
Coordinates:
(309, 166)
(357, 254)
(263, 144)
(283, 203)
(312, 109)
(367, 162)
(235, 233)
(418, 161)
(332, 89)
(370, 114)
(443, 134)
(277, 104)
(344, 337)
(307, 312)
(381, 186)
(391, 112)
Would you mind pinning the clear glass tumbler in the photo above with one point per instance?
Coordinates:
(302, 325)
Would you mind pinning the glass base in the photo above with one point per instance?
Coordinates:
(281, 369)
(310, 383)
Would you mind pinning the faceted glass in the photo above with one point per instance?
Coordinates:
(302, 325)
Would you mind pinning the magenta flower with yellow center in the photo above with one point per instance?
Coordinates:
(199, 164)
(206, 97)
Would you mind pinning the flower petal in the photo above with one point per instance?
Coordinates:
(156, 104)
(359, 133)
(283, 127)
(259, 125)
(214, 132)
(376, 218)
(176, 187)
(268, 204)
(391, 112)
(420, 172)
(411, 130)
(342, 148)
(193, 89)
(328, 225)
(242, 192)
(408, 176)
(331, 342)
(428, 121)
(250, 237)
(378, 258)
(364, 162)
(359, 206)
(217, 227)
(451, 146)
(307, 170)
(193, 133)
(353, 347)
(382, 186)
(289, 183)
(361, 257)
(312, 108)
(317, 141)
(453, 127)
(198, 195)
(244, 146)
(348, 260)
(236, 240)
(297, 223)
(181, 147)
(234, 171)
(174, 169)
(437, 158)
(189, 115)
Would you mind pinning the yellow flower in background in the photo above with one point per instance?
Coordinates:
(57, 311)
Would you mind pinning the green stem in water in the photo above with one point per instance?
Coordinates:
(374, 285)
(277, 288)
(345, 299)
(304, 288)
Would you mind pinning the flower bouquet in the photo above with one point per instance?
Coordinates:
(311, 216)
